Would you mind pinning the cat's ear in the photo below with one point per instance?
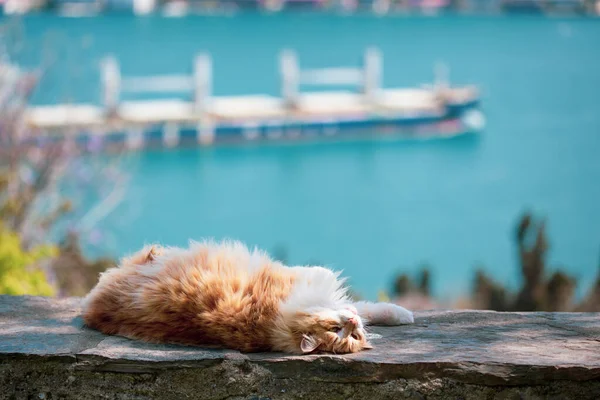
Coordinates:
(309, 344)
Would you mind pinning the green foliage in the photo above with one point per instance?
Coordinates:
(19, 274)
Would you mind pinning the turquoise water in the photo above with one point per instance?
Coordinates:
(370, 208)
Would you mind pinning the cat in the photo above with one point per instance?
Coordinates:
(221, 294)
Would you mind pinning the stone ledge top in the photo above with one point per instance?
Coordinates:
(481, 347)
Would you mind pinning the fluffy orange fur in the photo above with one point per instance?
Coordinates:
(216, 294)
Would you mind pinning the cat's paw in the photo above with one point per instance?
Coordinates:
(396, 315)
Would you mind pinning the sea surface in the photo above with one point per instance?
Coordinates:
(372, 209)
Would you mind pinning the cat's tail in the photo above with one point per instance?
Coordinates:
(142, 257)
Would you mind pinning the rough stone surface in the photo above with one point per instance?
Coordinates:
(47, 353)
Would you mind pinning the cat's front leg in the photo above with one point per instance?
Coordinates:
(383, 313)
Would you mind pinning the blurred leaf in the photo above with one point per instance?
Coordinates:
(19, 273)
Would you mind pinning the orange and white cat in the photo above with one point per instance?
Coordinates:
(222, 294)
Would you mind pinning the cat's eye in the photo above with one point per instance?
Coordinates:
(354, 336)
(336, 329)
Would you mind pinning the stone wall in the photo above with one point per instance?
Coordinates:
(46, 353)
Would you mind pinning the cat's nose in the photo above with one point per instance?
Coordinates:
(353, 321)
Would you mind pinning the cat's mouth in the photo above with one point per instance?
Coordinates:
(350, 329)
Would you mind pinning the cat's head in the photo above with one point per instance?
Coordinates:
(331, 330)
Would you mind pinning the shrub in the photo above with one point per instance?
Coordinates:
(20, 273)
